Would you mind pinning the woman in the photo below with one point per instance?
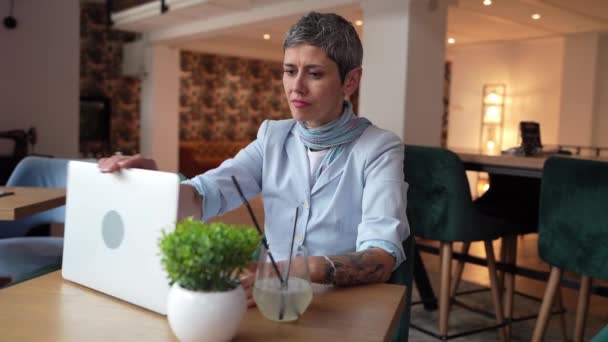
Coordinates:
(343, 173)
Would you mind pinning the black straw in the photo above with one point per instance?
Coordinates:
(285, 284)
(293, 237)
(257, 226)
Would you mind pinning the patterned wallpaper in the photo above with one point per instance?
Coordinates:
(100, 77)
(221, 97)
(227, 98)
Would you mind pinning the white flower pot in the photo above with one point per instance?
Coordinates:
(205, 316)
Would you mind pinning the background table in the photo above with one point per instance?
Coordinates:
(52, 309)
(511, 174)
(29, 201)
(503, 164)
(511, 165)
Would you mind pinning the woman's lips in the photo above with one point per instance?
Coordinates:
(300, 104)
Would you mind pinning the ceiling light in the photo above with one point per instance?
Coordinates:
(266, 36)
(359, 22)
(451, 40)
(487, 2)
(535, 16)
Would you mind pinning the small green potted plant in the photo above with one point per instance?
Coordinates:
(203, 263)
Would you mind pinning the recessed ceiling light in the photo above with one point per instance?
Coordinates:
(451, 40)
(487, 2)
(359, 22)
(535, 16)
(266, 36)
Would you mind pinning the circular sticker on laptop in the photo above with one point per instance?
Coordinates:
(112, 229)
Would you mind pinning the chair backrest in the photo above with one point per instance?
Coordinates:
(439, 204)
(403, 275)
(36, 172)
(573, 220)
(40, 172)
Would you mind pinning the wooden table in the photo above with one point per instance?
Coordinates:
(511, 165)
(49, 308)
(502, 164)
(29, 201)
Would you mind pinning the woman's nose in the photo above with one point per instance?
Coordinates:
(298, 84)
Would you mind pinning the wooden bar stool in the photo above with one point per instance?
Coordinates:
(514, 200)
(440, 208)
(573, 230)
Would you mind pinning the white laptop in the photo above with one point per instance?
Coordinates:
(112, 226)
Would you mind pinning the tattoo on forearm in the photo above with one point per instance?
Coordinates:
(356, 268)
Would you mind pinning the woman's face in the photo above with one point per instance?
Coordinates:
(312, 85)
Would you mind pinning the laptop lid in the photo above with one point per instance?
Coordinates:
(112, 226)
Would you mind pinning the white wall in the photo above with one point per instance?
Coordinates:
(425, 73)
(600, 127)
(531, 70)
(39, 63)
(159, 138)
(472, 67)
(578, 89)
(535, 91)
(402, 84)
(385, 105)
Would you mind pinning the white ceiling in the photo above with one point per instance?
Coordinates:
(469, 21)
(472, 22)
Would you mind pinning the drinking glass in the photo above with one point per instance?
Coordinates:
(283, 301)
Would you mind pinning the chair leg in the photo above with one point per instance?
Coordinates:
(509, 245)
(444, 291)
(582, 308)
(545, 307)
(423, 284)
(459, 269)
(495, 290)
(504, 256)
(562, 316)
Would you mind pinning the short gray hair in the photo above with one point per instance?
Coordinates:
(332, 33)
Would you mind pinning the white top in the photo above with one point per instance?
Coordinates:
(314, 160)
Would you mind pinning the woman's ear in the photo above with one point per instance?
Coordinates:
(351, 81)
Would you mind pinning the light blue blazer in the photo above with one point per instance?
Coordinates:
(357, 202)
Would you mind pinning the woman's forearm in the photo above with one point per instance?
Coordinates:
(374, 265)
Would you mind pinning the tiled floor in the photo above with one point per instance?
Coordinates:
(527, 256)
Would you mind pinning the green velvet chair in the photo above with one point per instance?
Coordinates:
(403, 276)
(601, 336)
(515, 201)
(573, 230)
(440, 208)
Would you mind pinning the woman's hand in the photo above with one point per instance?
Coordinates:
(118, 162)
(320, 270)
(247, 281)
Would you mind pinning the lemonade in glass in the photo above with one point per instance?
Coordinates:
(283, 301)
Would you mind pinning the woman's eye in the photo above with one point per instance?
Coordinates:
(314, 74)
(290, 72)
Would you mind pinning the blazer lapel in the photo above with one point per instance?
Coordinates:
(296, 152)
